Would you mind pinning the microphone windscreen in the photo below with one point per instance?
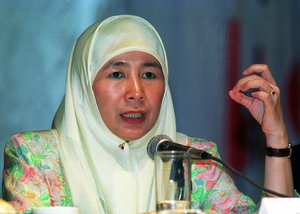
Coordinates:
(152, 145)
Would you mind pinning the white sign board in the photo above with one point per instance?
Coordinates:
(280, 206)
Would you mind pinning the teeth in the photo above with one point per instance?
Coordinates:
(132, 115)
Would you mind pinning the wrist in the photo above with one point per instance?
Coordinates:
(278, 140)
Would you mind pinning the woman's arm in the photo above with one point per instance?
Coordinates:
(265, 107)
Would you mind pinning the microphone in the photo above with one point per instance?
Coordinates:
(164, 143)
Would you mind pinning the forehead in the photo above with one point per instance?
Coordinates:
(133, 56)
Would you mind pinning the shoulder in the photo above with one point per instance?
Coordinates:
(35, 135)
(32, 144)
(33, 138)
(198, 143)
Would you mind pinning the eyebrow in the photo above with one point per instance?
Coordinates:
(113, 64)
(153, 64)
(121, 63)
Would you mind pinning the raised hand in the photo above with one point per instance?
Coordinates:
(264, 103)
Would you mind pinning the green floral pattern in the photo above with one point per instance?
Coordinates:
(212, 189)
(34, 176)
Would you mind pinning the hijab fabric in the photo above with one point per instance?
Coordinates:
(102, 177)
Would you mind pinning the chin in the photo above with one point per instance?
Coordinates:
(132, 137)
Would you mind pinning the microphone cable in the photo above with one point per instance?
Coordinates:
(206, 155)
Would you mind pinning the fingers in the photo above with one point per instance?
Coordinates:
(269, 98)
(240, 98)
(247, 101)
(262, 70)
(264, 89)
(257, 85)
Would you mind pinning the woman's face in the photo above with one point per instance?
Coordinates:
(128, 90)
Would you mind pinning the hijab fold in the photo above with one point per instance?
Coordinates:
(102, 177)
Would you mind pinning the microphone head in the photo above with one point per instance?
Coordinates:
(152, 145)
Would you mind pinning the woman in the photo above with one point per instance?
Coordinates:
(117, 98)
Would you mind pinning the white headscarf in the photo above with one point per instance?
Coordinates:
(102, 177)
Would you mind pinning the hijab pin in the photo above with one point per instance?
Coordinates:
(122, 145)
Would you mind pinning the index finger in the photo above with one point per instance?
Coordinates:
(261, 69)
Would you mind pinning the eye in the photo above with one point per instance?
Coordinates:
(116, 75)
(149, 75)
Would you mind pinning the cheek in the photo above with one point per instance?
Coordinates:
(157, 97)
(103, 96)
(108, 98)
(98, 93)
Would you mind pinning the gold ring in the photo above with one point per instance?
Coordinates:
(272, 92)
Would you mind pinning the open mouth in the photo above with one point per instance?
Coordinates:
(133, 117)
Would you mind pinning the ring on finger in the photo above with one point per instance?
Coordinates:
(272, 92)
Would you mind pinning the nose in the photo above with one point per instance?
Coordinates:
(135, 90)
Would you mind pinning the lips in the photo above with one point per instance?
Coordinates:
(133, 117)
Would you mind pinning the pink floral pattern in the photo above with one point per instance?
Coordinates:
(213, 190)
(34, 176)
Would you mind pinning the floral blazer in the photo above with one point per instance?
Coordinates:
(33, 176)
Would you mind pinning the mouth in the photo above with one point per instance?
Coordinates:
(133, 117)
